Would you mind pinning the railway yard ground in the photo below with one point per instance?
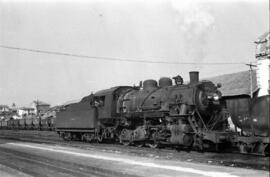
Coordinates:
(43, 153)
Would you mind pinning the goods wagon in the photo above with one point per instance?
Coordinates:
(16, 123)
(22, 123)
(10, 124)
(28, 122)
(36, 123)
(4, 124)
(252, 117)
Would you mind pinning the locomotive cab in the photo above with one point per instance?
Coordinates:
(106, 101)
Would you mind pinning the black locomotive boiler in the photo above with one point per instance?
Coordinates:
(188, 115)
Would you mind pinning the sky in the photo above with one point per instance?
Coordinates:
(174, 31)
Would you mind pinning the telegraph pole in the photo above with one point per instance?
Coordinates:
(250, 78)
(38, 115)
(269, 75)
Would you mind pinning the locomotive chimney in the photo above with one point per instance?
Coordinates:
(194, 77)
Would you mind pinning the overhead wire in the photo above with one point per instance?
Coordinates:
(117, 58)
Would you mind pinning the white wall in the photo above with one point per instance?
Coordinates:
(263, 75)
(21, 112)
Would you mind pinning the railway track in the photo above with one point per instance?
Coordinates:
(224, 159)
(35, 165)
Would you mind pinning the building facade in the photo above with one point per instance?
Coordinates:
(25, 111)
(40, 107)
(263, 63)
(4, 108)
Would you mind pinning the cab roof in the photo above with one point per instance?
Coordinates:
(110, 90)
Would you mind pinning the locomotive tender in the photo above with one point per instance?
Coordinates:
(188, 115)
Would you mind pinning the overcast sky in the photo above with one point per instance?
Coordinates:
(172, 31)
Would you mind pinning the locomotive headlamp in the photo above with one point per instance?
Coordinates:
(215, 97)
(209, 97)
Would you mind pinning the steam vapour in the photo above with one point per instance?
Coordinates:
(195, 22)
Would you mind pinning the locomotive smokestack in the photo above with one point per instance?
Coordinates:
(194, 77)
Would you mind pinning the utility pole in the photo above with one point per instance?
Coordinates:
(38, 115)
(250, 78)
(269, 75)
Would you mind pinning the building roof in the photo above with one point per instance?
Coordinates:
(70, 102)
(41, 103)
(26, 108)
(235, 84)
(4, 106)
(263, 37)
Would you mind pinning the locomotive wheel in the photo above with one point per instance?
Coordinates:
(126, 143)
(244, 148)
(83, 138)
(87, 137)
(125, 137)
(139, 144)
(153, 144)
(99, 138)
(210, 146)
(67, 136)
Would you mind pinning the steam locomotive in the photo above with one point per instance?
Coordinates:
(191, 115)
